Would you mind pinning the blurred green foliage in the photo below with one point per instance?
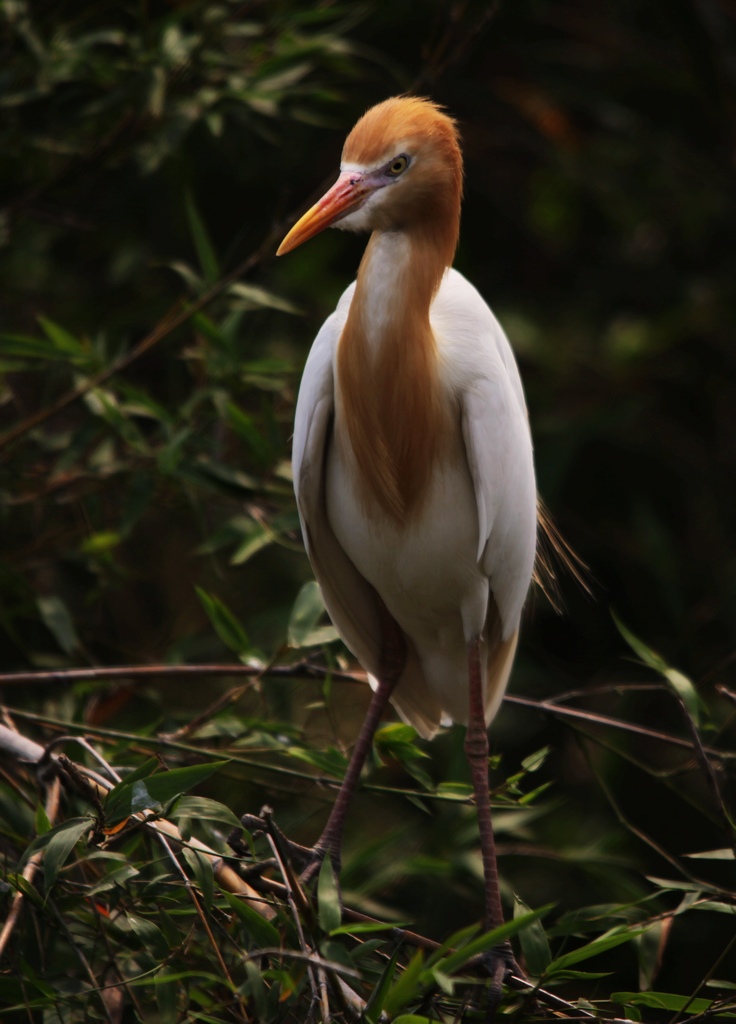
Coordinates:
(150, 157)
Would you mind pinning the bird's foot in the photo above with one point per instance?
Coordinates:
(316, 857)
(263, 824)
(306, 860)
(500, 964)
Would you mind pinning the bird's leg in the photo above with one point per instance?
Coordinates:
(393, 656)
(476, 751)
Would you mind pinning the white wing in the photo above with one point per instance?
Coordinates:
(350, 600)
(483, 372)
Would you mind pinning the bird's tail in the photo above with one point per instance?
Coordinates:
(555, 554)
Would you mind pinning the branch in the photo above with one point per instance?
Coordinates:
(308, 670)
(28, 752)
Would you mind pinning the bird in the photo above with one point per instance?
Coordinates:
(412, 458)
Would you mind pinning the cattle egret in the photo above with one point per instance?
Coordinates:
(412, 457)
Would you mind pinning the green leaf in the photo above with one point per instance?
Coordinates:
(663, 1001)
(58, 621)
(244, 425)
(535, 761)
(366, 927)
(531, 796)
(261, 931)
(100, 543)
(119, 798)
(59, 843)
(116, 877)
(20, 884)
(205, 250)
(330, 761)
(649, 951)
(328, 897)
(533, 940)
(226, 625)
(397, 741)
(150, 935)
(257, 537)
(451, 963)
(166, 997)
(686, 690)
(374, 1007)
(715, 906)
(308, 609)
(458, 940)
(41, 821)
(614, 938)
(62, 339)
(27, 347)
(679, 682)
(255, 297)
(139, 794)
(255, 987)
(143, 771)
(203, 809)
(406, 987)
(460, 791)
(202, 869)
(581, 975)
(725, 853)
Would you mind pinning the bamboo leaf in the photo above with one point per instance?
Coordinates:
(202, 242)
(374, 1007)
(533, 940)
(664, 1001)
(454, 961)
(406, 986)
(261, 931)
(202, 869)
(679, 682)
(308, 609)
(139, 794)
(256, 297)
(58, 621)
(594, 948)
(201, 808)
(226, 625)
(328, 897)
(59, 843)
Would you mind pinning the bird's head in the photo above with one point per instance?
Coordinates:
(401, 167)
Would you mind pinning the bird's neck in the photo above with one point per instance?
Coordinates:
(388, 375)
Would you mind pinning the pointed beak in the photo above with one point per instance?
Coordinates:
(346, 194)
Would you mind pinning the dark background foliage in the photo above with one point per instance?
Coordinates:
(150, 158)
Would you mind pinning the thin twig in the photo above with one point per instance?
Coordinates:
(291, 886)
(653, 844)
(108, 673)
(706, 766)
(614, 723)
(307, 670)
(52, 809)
(711, 971)
(226, 700)
(203, 921)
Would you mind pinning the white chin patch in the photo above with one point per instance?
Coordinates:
(358, 220)
(362, 219)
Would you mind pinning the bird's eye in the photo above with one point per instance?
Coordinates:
(398, 166)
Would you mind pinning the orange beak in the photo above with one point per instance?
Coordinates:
(348, 192)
